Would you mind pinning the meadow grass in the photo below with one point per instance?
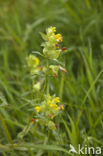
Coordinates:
(80, 89)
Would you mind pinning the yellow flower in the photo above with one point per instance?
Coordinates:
(49, 101)
(32, 61)
(36, 61)
(54, 29)
(51, 116)
(37, 109)
(51, 105)
(55, 106)
(56, 100)
(61, 107)
(59, 37)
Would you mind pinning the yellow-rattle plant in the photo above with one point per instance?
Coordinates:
(48, 106)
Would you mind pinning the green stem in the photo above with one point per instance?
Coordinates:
(61, 87)
(47, 65)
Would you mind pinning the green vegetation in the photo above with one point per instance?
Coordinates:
(80, 89)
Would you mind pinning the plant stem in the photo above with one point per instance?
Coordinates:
(47, 65)
(61, 87)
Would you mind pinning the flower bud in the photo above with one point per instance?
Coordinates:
(62, 69)
(51, 125)
(37, 86)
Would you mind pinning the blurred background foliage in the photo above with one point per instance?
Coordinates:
(81, 89)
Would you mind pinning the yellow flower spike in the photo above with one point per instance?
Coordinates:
(37, 108)
(56, 107)
(54, 29)
(56, 100)
(36, 61)
(59, 37)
